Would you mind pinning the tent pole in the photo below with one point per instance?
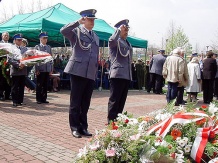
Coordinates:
(102, 68)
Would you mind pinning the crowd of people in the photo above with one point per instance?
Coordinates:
(118, 73)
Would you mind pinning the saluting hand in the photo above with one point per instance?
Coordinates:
(82, 20)
(122, 27)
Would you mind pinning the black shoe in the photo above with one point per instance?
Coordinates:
(38, 102)
(21, 103)
(85, 132)
(15, 104)
(76, 134)
(46, 102)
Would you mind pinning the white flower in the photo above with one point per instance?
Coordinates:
(161, 117)
(164, 143)
(133, 121)
(142, 125)
(187, 148)
(122, 117)
(212, 108)
(94, 146)
(135, 137)
(179, 158)
(116, 133)
(82, 151)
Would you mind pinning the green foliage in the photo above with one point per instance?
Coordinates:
(177, 38)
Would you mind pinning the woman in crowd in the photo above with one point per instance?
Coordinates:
(194, 84)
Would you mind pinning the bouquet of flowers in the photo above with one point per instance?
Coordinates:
(29, 58)
(8, 49)
(163, 136)
(5, 67)
(33, 57)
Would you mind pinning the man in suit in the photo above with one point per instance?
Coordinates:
(120, 72)
(209, 73)
(18, 72)
(43, 71)
(5, 88)
(156, 68)
(82, 68)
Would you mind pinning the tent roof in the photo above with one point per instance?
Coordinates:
(51, 20)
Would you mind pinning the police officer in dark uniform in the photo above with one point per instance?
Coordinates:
(18, 72)
(43, 71)
(120, 72)
(82, 67)
(5, 88)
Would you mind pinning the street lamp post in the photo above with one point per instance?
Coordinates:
(207, 48)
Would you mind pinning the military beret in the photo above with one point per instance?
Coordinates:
(43, 34)
(88, 13)
(17, 36)
(122, 22)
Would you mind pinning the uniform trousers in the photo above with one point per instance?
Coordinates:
(118, 93)
(172, 91)
(17, 88)
(207, 90)
(80, 97)
(42, 86)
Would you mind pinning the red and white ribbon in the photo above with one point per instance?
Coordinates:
(200, 143)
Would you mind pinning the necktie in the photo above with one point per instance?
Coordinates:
(90, 32)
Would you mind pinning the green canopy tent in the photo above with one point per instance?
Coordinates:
(51, 20)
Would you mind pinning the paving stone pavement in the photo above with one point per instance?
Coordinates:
(36, 133)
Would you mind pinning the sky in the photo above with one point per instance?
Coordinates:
(150, 19)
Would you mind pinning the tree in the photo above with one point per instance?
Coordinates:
(214, 45)
(177, 38)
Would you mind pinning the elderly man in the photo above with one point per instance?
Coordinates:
(82, 68)
(120, 72)
(43, 71)
(184, 82)
(173, 71)
(5, 88)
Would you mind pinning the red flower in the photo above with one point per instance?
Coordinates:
(115, 127)
(201, 122)
(126, 121)
(173, 155)
(175, 133)
(212, 135)
(214, 141)
(5, 63)
(204, 106)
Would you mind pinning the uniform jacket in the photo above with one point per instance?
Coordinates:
(209, 68)
(47, 67)
(83, 62)
(157, 64)
(14, 68)
(120, 65)
(173, 68)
